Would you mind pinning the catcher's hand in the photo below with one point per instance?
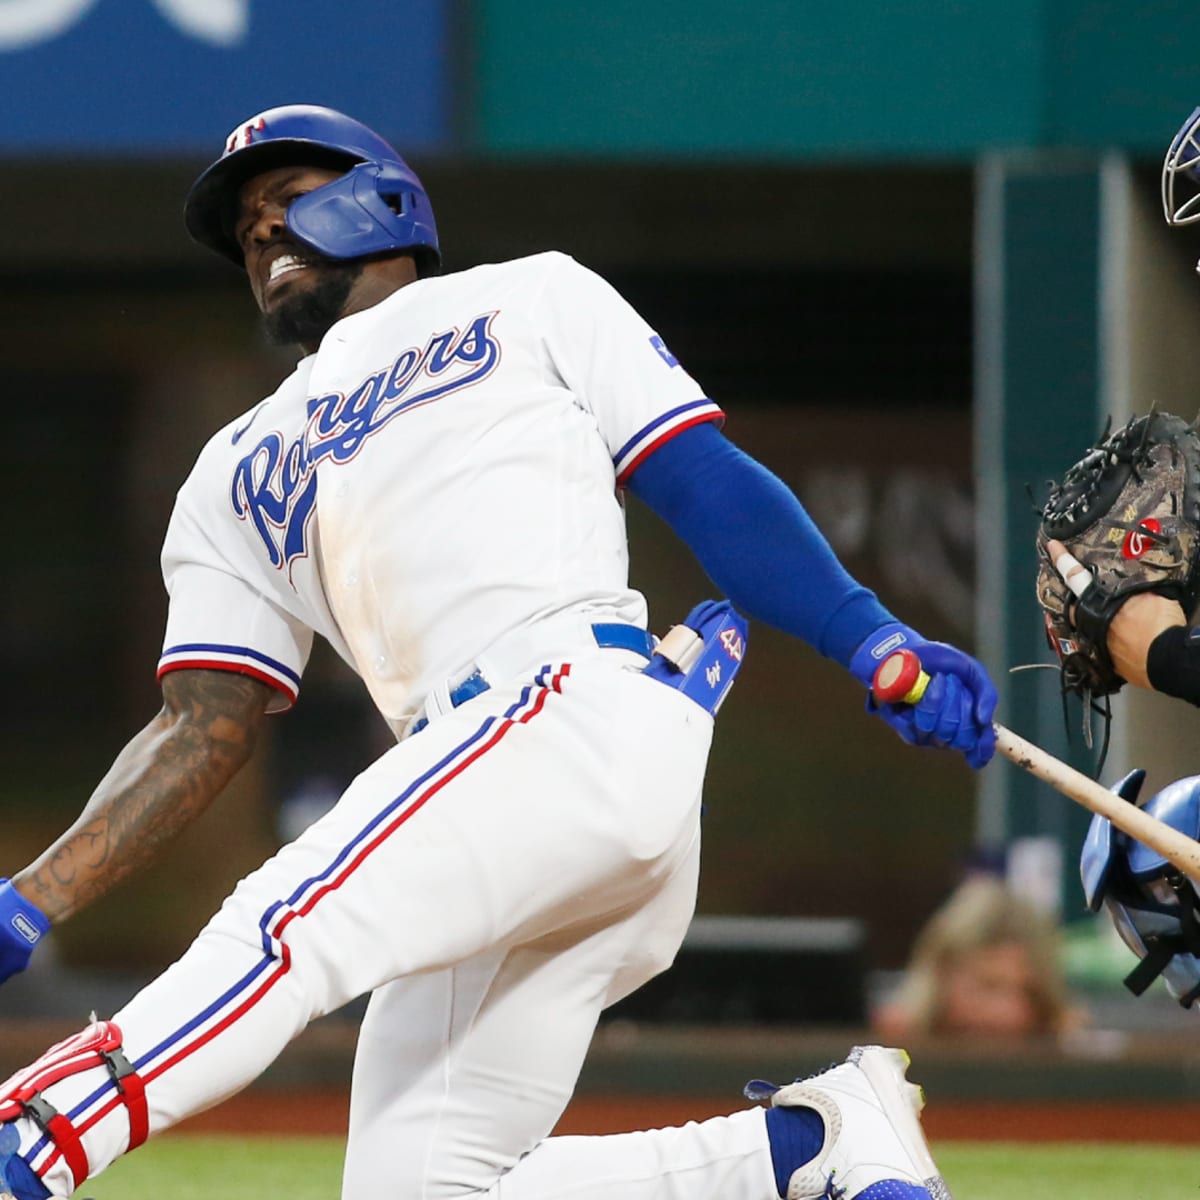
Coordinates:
(1139, 620)
(1128, 517)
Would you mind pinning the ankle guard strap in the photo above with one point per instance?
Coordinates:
(99, 1045)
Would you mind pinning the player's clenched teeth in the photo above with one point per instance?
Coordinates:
(284, 264)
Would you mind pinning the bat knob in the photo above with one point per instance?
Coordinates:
(899, 679)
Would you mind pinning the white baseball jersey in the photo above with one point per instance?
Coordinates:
(439, 473)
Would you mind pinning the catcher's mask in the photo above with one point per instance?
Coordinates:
(1181, 174)
(1153, 904)
(376, 207)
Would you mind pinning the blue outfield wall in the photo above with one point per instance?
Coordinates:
(166, 76)
(768, 79)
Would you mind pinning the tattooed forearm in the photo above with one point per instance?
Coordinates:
(165, 778)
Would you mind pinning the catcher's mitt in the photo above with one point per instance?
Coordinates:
(1129, 510)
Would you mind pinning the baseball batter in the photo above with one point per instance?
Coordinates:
(436, 489)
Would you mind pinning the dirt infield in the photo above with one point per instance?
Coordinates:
(309, 1113)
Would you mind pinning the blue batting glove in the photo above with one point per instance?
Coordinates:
(22, 926)
(956, 710)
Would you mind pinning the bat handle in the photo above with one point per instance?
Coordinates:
(899, 679)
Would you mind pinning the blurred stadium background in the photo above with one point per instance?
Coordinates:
(914, 247)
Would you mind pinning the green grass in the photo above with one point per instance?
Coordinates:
(200, 1168)
(188, 1167)
(1008, 1170)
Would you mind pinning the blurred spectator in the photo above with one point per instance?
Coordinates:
(987, 962)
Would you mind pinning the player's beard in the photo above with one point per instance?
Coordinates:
(305, 317)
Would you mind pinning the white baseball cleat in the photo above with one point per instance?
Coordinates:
(874, 1148)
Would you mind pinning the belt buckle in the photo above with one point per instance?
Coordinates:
(474, 685)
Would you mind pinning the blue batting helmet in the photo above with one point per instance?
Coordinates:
(377, 206)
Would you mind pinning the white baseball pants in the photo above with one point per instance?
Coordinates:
(494, 881)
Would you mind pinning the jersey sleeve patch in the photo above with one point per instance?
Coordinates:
(660, 348)
(662, 429)
(211, 656)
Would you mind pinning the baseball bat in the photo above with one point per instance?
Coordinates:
(900, 679)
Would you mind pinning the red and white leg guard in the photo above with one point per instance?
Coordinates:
(99, 1045)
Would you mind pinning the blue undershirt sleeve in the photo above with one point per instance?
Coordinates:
(756, 542)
